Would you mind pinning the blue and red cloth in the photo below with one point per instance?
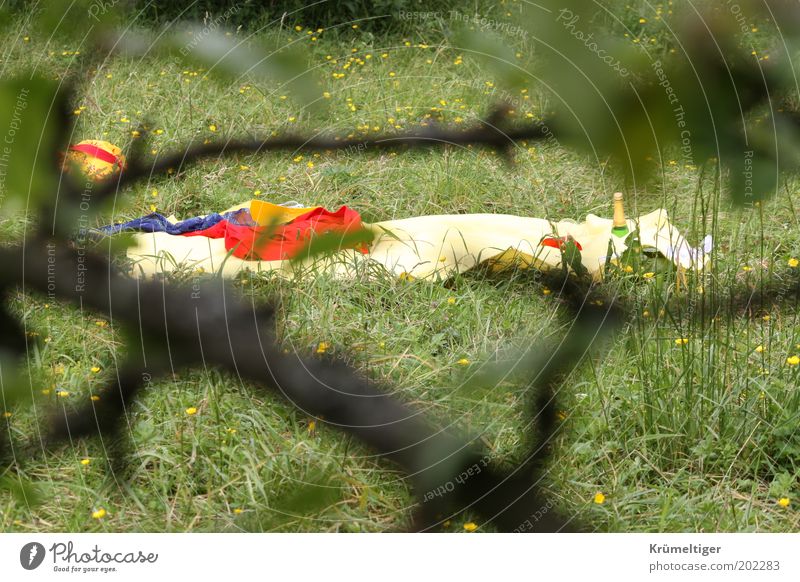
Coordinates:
(245, 237)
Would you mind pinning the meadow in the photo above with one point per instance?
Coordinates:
(684, 421)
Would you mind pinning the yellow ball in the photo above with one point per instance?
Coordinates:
(97, 159)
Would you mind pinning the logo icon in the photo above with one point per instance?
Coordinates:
(31, 555)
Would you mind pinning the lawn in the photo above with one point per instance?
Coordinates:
(684, 421)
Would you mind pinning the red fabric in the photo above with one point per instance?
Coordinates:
(96, 152)
(283, 241)
(557, 243)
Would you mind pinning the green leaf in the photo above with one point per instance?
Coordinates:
(282, 67)
(498, 56)
(29, 145)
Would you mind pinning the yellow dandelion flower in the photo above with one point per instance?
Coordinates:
(312, 426)
(642, 20)
(451, 300)
(646, 313)
(784, 502)
(760, 349)
(99, 513)
(85, 462)
(7, 414)
(310, 164)
(191, 411)
(746, 268)
(463, 362)
(793, 360)
(793, 262)
(212, 127)
(681, 341)
(628, 269)
(649, 275)
(62, 393)
(323, 347)
(470, 526)
(546, 291)
(94, 398)
(599, 498)
(237, 511)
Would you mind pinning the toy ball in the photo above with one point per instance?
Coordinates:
(97, 159)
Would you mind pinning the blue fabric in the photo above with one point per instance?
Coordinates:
(158, 223)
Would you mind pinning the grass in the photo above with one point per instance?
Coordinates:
(679, 436)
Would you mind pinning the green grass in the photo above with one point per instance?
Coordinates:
(692, 437)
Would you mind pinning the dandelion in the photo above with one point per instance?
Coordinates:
(793, 360)
(94, 398)
(681, 341)
(310, 164)
(312, 426)
(746, 268)
(451, 300)
(599, 498)
(85, 462)
(62, 393)
(793, 263)
(470, 526)
(783, 502)
(649, 275)
(546, 291)
(628, 269)
(463, 362)
(99, 513)
(642, 20)
(212, 127)
(323, 347)
(191, 411)
(237, 511)
(7, 414)
(760, 349)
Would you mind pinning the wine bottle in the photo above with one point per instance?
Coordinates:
(619, 226)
